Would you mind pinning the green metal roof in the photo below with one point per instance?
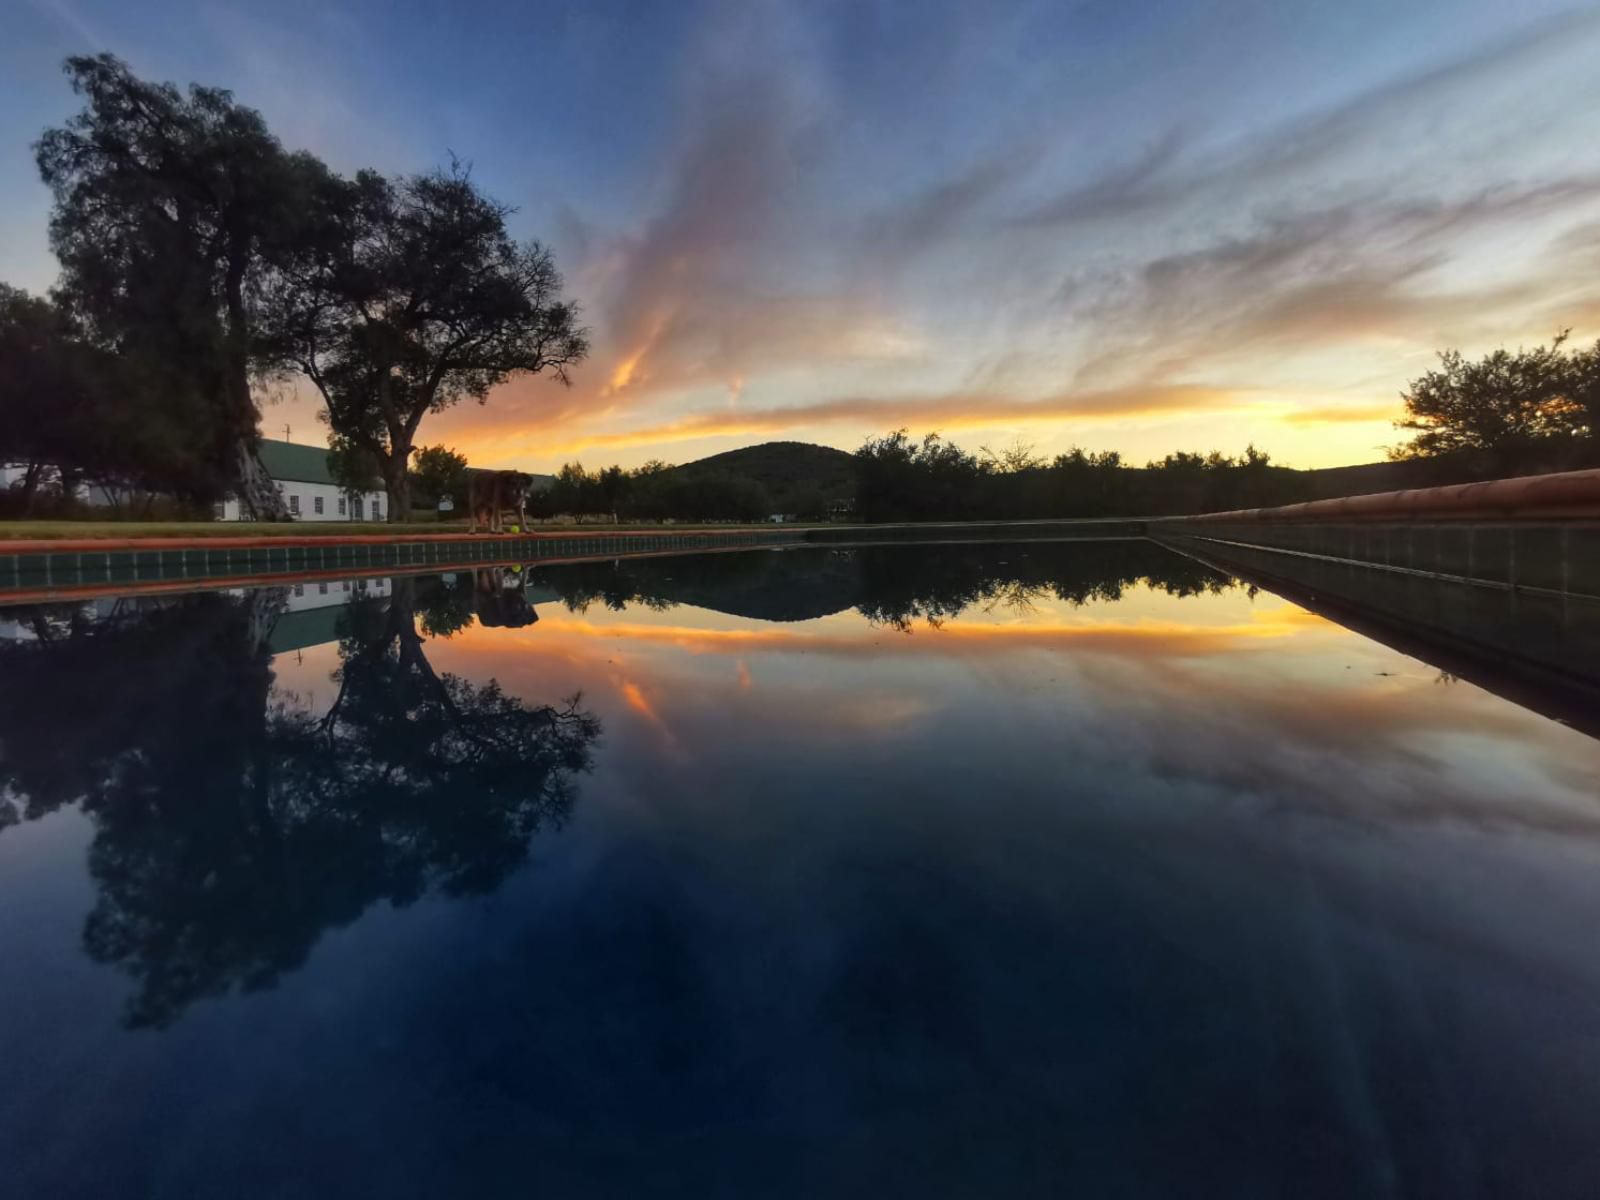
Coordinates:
(309, 627)
(294, 462)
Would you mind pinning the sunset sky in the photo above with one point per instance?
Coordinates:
(1142, 226)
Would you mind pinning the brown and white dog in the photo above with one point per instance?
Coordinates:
(494, 495)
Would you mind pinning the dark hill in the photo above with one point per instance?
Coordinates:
(789, 471)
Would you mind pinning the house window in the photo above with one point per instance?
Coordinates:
(377, 511)
(294, 504)
(322, 589)
(219, 511)
(345, 586)
(316, 505)
(341, 506)
(299, 589)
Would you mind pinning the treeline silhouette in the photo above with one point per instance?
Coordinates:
(655, 492)
(900, 478)
(233, 823)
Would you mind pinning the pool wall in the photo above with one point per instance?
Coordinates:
(85, 567)
(1538, 647)
(1506, 575)
(977, 531)
(1539, 533)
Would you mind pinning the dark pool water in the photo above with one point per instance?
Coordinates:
(1055, 869)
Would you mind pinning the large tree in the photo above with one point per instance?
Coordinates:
(169, 209)
(412, 298)
(70, 410)
(43, 386)
(1505, 404)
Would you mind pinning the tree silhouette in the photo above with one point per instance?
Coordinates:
(169, 209)
(410, 297)
(900, 479)
(1508, 405)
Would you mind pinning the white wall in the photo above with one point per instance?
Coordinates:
(302, 500)
(369, 506)
(319, 593)
(13, 475)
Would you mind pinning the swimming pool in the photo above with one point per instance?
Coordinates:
(1048, 868)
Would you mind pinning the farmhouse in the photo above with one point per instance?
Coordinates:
(308, 487)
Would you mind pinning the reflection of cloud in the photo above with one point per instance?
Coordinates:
(634, 695)
(1157, 639)
(1271, 702)
(1363, 750)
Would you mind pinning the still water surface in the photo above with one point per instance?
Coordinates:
(1042, 869)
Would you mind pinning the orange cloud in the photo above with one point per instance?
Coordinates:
(948, 412)
(1337, 414)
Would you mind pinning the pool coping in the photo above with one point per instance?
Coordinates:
(22, 546)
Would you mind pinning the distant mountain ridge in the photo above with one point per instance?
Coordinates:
(789, 471)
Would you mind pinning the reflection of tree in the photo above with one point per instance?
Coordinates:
(896, 585)
(768, 585)
(901, 585)
(135, 703)
(234, 824)
(615, 584)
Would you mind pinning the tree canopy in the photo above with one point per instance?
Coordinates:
(169, 209)
(411, 297)
(653, 492)
(71, 411)
(903, 479)
(1508, 404)
(437, 472)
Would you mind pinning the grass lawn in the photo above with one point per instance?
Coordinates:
(36, 530)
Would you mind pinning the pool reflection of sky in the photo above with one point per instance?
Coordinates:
(1150, 896)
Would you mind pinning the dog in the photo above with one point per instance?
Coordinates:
(492, 495)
